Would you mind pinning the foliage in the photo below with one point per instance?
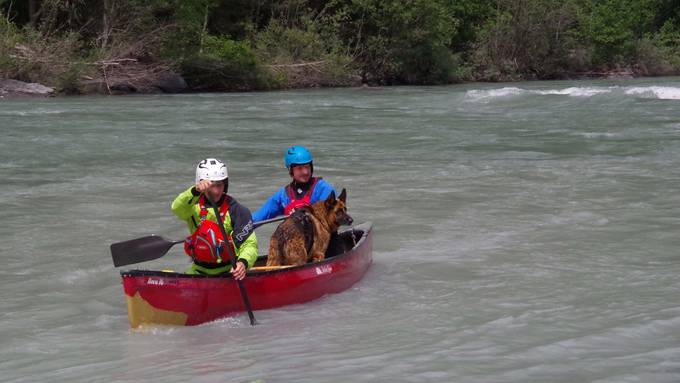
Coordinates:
(224, 64)
(243, 44)
(304, 51)
(667, 40)
(29, 56)
(228, 49)
(68, 81)
(8, 39)
(612, 27)
(399, 41)
(280, 44)
(471, 14)
(525, 38)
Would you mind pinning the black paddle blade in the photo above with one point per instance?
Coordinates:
(140, 250)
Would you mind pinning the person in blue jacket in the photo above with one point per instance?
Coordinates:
(303, 190)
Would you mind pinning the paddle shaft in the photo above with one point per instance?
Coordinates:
(270, 220)
(232, 259)
(153, 247)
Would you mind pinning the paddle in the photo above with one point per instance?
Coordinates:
(232, 259)
(140, 249)
(154, 246)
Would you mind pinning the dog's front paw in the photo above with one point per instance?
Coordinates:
(318, 257)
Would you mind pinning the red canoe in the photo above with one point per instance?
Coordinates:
(159, 297)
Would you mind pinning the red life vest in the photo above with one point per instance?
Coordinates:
(206, 244)
(306, 199)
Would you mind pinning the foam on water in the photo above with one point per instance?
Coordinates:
(658, 92)
(32, 112)
(81, 275)
(598, 134)
(574, 91)
(486, 95)
(482, 95)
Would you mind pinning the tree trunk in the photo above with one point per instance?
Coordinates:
(205, 27)
(107, 22)
(33, 12)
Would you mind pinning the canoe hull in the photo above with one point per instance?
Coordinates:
(156, 297)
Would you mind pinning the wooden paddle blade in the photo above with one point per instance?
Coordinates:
(140, 250)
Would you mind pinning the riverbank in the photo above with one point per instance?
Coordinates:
(138, 76)
(134, 78)
(124, 47)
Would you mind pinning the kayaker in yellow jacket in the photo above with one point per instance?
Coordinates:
(207, 246)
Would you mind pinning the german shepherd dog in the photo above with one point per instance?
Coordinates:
(304, 236)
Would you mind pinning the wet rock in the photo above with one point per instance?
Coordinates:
(170, 82)
(130, 80)
(123, 88)
(620, 75)
(14, 88)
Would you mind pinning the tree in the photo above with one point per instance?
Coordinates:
(612, 27)
(525, 39)
(398, 41)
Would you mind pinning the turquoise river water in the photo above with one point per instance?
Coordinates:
(524, 232)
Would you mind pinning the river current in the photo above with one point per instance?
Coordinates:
(524, 232)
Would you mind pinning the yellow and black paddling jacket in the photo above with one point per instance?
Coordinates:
(238, 223)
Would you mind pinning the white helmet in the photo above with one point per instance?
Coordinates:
(211, 169)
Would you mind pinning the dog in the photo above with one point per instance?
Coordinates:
(305, 234)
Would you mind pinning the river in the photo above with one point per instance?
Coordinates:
(524, 232)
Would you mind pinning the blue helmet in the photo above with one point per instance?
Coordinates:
(297, 155)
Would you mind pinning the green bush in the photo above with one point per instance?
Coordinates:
(303, 54)
(224, 64)
(525, 39)
(612, 28)
(30, 56)
(223, 48)
(667, 40)
(399, 41)
(421, 52)
(68, 82)
(9, 37)
(280, 44)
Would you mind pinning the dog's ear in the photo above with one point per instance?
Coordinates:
(330, 201)
(343, 195)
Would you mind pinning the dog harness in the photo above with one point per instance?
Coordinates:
(304, 223)
(306, 199)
